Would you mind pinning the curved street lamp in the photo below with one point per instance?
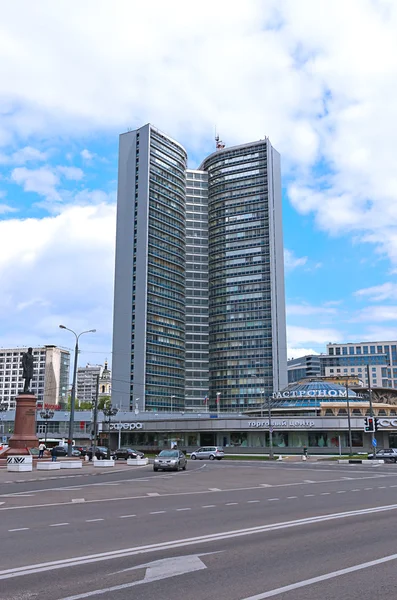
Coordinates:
(73, 394)
(46, 415)
(109, 411)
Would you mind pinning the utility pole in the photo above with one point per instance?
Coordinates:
(95, 424)
(371, 408)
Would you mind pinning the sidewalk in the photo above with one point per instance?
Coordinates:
(88, 469)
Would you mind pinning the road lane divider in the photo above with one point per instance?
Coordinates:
(79, 561)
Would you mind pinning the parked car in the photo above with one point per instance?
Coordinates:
(60, 450)
(208, 452)
(172, 460)
(387, 454)
(75, 451)
(101, 452)
(127, 453)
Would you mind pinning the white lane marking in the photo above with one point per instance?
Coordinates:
(153, 494)
(382, 487)
(325, 493)
(355, 490)
(308, 481)
(170, 495)
(391, 486)
(231, 503)
(182, 543)
(266, 485)
(291, 497)
(366, 489)
(58, 524)
(309, 495)
(179, 509)
(341, 492)
(208, 506)
(93, 520)
(157, 512)
(155, 571)
(126, 516)
(320, 578)
(272, 499)
(20, 529)
(214, 489)
(252, 501)
(77, 500)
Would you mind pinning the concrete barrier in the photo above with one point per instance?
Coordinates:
(48, 466)
(71, 464)
(104, 463)
(19, 463)
(359, 461)
(137, 462)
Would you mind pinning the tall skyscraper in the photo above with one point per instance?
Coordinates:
(199, 310)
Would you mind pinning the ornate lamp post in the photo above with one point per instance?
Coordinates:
(109, 412)
(73, 394)
(46, 415)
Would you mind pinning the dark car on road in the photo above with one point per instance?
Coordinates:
(124, 453)
(60, 450)
(101, 452)
(387, 454)
(172, 460)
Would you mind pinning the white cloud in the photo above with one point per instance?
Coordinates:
(58, 269)
(378, 293)
(372, 314)
(298, 352)
(291, 261)
(5, 208)
(43, 181)
(22, 156)
(305, 336)
(87, 155)
(72, 173)
(308, 310)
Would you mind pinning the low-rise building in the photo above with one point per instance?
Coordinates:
(50, 375)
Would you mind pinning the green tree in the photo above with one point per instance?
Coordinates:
(104, 402)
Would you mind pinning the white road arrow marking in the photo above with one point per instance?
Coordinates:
(155, 571)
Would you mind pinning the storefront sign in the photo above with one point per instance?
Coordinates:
(386, 422)
(312, 393)
(285, 423)
(125, 426)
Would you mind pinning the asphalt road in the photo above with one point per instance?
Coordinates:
(231, 531)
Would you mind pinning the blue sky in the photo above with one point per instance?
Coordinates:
(303, 73)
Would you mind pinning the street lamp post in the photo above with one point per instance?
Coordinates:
(348, 415)
(3, 407)
(73, 394)
(172, 404)
(46, 415)
(270, 429)
(218, 404)
(371, 408)
(109, 412)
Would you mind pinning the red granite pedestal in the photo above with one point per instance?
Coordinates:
(24, 436)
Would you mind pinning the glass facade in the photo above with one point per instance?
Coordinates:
(240, 276)
(165, 320)
(199, 278)
(197, 381)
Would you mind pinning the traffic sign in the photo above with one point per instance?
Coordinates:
(374, 442)
(4, 439)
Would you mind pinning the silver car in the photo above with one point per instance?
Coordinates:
(171, 460)
(208, 452)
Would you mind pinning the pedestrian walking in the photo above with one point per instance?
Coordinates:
(42, 447)
(53, 454)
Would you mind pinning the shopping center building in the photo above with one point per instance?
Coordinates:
(312, 413)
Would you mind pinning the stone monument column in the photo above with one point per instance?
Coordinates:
(24, 436)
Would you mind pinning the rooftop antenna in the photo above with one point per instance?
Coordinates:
(219, 145)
